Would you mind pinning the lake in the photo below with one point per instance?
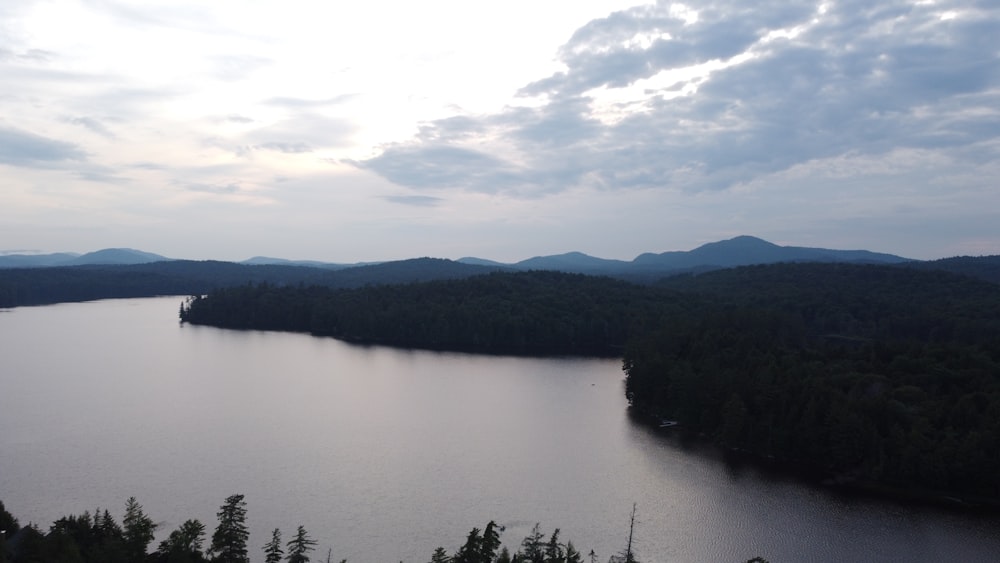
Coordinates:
(384, 454)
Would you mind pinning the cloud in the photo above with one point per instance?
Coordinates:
(229, 188)
(93, 125)
(661, 97)
(21, 148)
(303, 132)
(285, 147)
(289, 102)
(414, 200)
(30, 55)
(441, 166)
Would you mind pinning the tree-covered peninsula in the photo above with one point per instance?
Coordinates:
(886, 377)
(538, 312)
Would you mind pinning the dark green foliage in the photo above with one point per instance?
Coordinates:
(8, 527)
(36, 286)
(440, 556)
(184, 544)
(31, 547)
(229, 542)
(137, 530)
(299, 547)
(533, 546)
(96, 538)
(523, 313)
(272, 549)
(876, 375)
(480, 548)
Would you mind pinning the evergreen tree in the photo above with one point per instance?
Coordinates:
(469, 553)
(109, 540)
(491, 541)
(299, 547)
(184, 544)
(440, 556)
(533, 547)
(553, 549)
(137, 530)
(272, 549)
(229, 542)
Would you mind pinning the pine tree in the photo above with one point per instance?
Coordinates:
(440, 556)
(533, 546)
(137, 530)
(272, 549)
(299, 546)
(229, 542)
(553, 549)
(491, 541)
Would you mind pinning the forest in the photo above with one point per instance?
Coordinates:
(98, 538)
(879, 377)
(514, 313)
(39, 286)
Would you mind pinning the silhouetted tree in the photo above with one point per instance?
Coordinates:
(299, 547)
(184, 544)
(229, 542)
(440, 556)
(137, 529)
(272, 549)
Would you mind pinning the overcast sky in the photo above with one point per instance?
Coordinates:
(380, 130)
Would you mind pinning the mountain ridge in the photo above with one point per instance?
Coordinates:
(742, 250)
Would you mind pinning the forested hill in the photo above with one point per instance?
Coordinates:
(520, 313)
(37, 286)
(880, 376)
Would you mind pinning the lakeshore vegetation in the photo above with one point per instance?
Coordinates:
(99, 538)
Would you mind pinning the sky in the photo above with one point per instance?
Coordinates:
(381, 130)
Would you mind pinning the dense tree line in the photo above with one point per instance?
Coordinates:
(525, 313)
(98, 538)
(38, 286)
(877, 376)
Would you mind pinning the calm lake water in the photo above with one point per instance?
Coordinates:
(384, 454)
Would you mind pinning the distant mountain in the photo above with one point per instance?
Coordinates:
(747, 250)
(107, 256)
(648, 267)
(739, 251)
(482, 262)
(36, 260)
(121, 256)
(572, 262)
